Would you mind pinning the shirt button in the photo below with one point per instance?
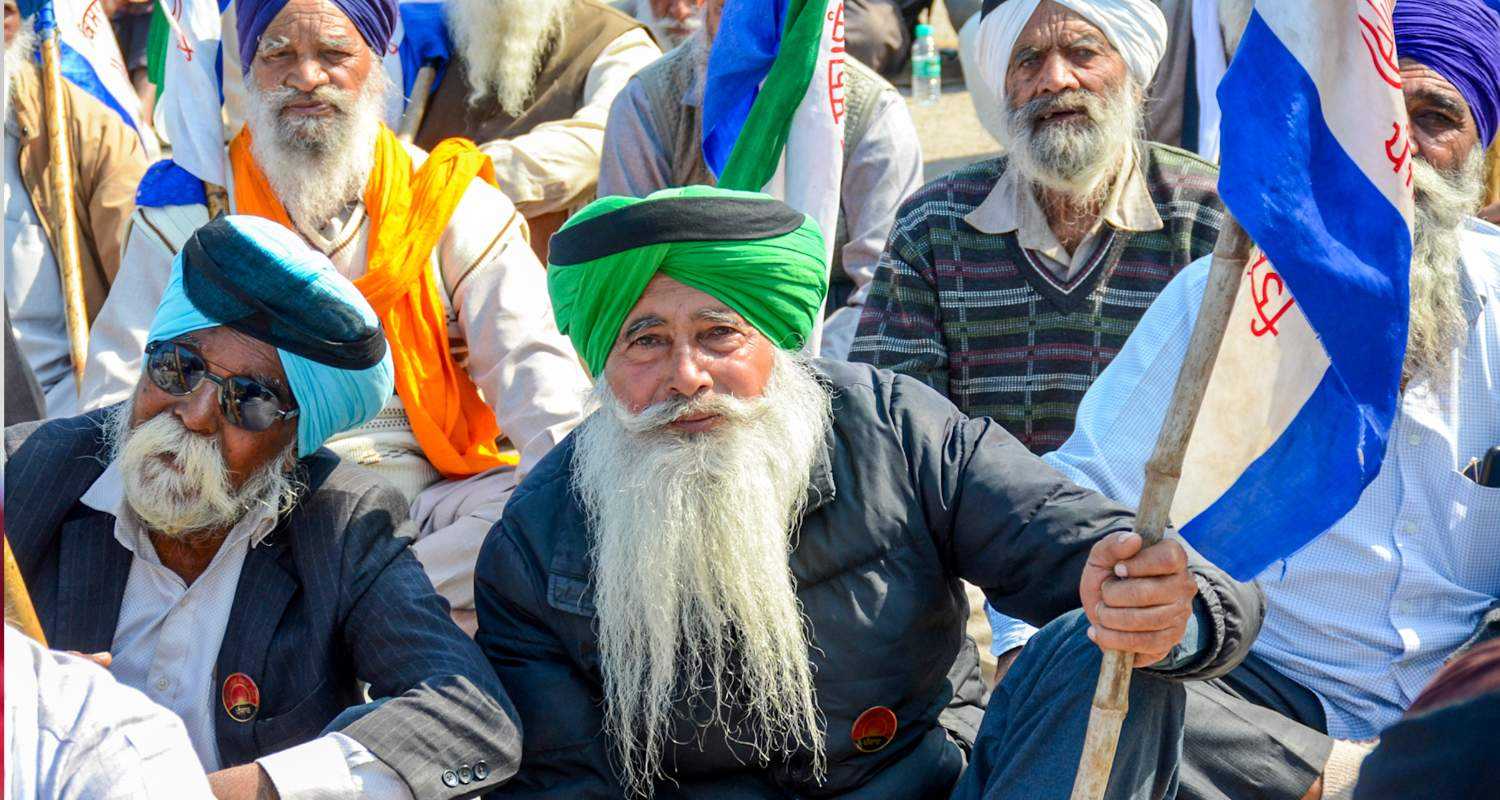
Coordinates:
(481, 770)
(162, 684)
(1409, 527)
(465, 775)
(450, 778)
(1414, 439)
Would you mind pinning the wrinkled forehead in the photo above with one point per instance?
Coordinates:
(309, 21)
(1054, 26)
(1425, 85)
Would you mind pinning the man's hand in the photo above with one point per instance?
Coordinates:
(245, 782)
(1138, 601)
(1491, 213)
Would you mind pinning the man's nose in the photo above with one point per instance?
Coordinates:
(1056, 75)
(681, 9)
(199, 411)
(688, 377)
(307, 75)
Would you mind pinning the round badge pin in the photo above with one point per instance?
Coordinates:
(241, 697)
(874, 729)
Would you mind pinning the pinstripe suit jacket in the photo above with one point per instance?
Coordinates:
(332, 596)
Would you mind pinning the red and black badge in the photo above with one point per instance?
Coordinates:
(241, 697)
(874, 729)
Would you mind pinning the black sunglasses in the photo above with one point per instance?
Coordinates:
(178, 370)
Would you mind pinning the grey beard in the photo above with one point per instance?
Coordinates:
(198, 501)
(317, 167)
(502, 43)
(18, 57)
(1074, 159)
(692, 536)
(1437, 321)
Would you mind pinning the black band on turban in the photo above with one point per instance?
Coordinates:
(239, 284)
(680, 219)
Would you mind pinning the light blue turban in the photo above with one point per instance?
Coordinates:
(259, 278)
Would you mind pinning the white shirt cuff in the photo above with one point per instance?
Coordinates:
(332, 767)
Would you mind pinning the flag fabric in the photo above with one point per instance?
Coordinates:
(91, 58)
(1317, 169)
(421, 38)
(190, 111)
(773, 106)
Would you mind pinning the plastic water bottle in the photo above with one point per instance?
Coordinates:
(926, 69)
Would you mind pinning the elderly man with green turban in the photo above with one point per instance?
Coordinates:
(740, 577)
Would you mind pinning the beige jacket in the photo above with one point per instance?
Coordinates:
(108, 162)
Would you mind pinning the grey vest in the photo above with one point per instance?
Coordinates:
(672, 77)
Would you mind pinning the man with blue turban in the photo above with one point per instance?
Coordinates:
(741, 576)
(200, 540)
(1359, 620)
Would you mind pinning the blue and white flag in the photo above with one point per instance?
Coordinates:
(773, 106)
(91, 58)
(1317, 168)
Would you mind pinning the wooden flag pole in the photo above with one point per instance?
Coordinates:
(1163, 471)
(75, 310)
(18, 608)
(416, 107)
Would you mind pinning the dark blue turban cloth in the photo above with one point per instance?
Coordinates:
(374, 19)
(1459, 40)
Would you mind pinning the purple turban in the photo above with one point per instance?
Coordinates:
(1459, 40)
(374, 19)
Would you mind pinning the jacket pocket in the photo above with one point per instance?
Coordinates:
(302, 722)
(570, 593)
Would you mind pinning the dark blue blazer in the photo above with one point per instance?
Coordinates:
(332, 597)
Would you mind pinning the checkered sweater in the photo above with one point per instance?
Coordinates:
(982, 321)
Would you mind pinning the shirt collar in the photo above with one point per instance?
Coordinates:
(1011, 206)
(107, 495)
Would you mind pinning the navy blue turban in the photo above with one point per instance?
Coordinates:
(1459, 40)
(374, 19)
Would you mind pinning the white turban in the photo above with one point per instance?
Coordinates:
(1135, 28)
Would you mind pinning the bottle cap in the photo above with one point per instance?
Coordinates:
(923, 29)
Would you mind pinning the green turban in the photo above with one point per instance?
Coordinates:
(751, 251)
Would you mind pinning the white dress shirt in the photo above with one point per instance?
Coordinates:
(555, 165)
(167, 641)
(74, 733)
(1365, 614)
(33, 290)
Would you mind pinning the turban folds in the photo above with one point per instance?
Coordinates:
(374, 19)
(751, 251)
(1135, 28)
(259, 278)
(1459, 40)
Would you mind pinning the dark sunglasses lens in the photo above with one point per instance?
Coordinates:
(251, 405)
(175, 370)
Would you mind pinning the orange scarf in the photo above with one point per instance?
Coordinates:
(408, 213)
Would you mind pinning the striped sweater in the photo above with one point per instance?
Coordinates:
(982, 321)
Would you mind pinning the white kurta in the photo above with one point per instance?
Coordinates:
(500, 325)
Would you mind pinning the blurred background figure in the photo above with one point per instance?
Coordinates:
(670, 21)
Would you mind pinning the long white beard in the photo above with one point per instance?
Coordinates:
(317, 167)
(691, 572)
(1075, 159)
(502, 43)
(1437, 319)
(196, 499)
